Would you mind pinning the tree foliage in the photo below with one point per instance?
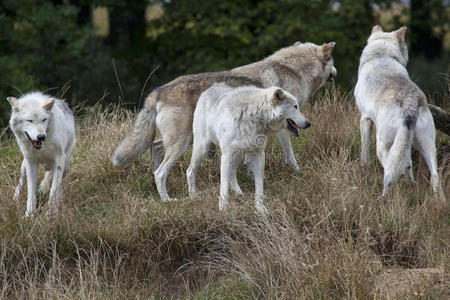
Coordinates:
(47, 44)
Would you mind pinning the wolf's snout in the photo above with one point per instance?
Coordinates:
(333, 74)
(41, 137)
(307, 124)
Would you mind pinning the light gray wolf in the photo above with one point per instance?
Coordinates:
(45, 132)
(386, 96)
(301, 69)
(238, 120)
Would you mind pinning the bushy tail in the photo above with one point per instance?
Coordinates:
(400, 152)
(141, 136)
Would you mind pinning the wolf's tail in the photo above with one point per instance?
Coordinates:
(141, 136)
(400, 152)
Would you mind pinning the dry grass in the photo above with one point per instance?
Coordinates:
(328, 234)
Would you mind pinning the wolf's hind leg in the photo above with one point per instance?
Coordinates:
(174, 149)
(382, 152)
(409, 172)
(23, 173)
(157, 151)
(365, 128)
(44, 187)
(56, 189)
(426, 146)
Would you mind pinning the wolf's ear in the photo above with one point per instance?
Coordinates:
(327, 49)
(401, 33)
(297, 43)
(49, 104)
(278, 95)
(14, 103)
(377, 28)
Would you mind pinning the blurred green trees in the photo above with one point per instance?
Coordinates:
(47, 44)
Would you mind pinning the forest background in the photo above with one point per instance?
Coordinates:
(104, 51)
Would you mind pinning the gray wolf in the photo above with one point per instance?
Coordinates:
(238, 120)
(386, 96)
(300, 69)
(45, 132)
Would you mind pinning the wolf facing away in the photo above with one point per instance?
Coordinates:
(238, 121)
(300, 69)
(44, 128)
(386, 96)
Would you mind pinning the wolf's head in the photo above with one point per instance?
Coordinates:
(310, 61)
(288, 110)
(388, 44)
(31, 115)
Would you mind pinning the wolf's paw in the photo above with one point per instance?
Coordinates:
(261, 208)
(43, 189)
(51, 210)
(237, 190)
(293, 164)
(223, 204)
(169, 199)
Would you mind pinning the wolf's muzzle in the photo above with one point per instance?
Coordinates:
(333, 74)
(36, 144)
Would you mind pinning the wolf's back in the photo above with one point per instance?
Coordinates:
(141, 136)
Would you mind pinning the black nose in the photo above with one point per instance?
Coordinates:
(41, 137)
(307, 124)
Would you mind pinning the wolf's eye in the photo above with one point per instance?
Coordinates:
(31, 121)
(44, 120)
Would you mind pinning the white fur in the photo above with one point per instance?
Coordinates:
(39, 114)
(238, 120)
(386, 96)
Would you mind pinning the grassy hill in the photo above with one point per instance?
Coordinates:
(328, 233)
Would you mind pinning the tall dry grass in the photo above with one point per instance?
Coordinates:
(328, 233)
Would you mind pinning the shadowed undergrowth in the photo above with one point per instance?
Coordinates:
(328, 234)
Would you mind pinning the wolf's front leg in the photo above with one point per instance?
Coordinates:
(31, 171)
(284, 137)
(55, 190)
(23, 173)
(258, 172)
(225, 173)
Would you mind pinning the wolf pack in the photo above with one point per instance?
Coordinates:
(236, 111)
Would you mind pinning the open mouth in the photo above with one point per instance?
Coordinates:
(36, 144)
(292, 127)
(330, 78)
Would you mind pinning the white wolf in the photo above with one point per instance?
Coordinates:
(238, 121)
(45, 131)
(386, 96)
